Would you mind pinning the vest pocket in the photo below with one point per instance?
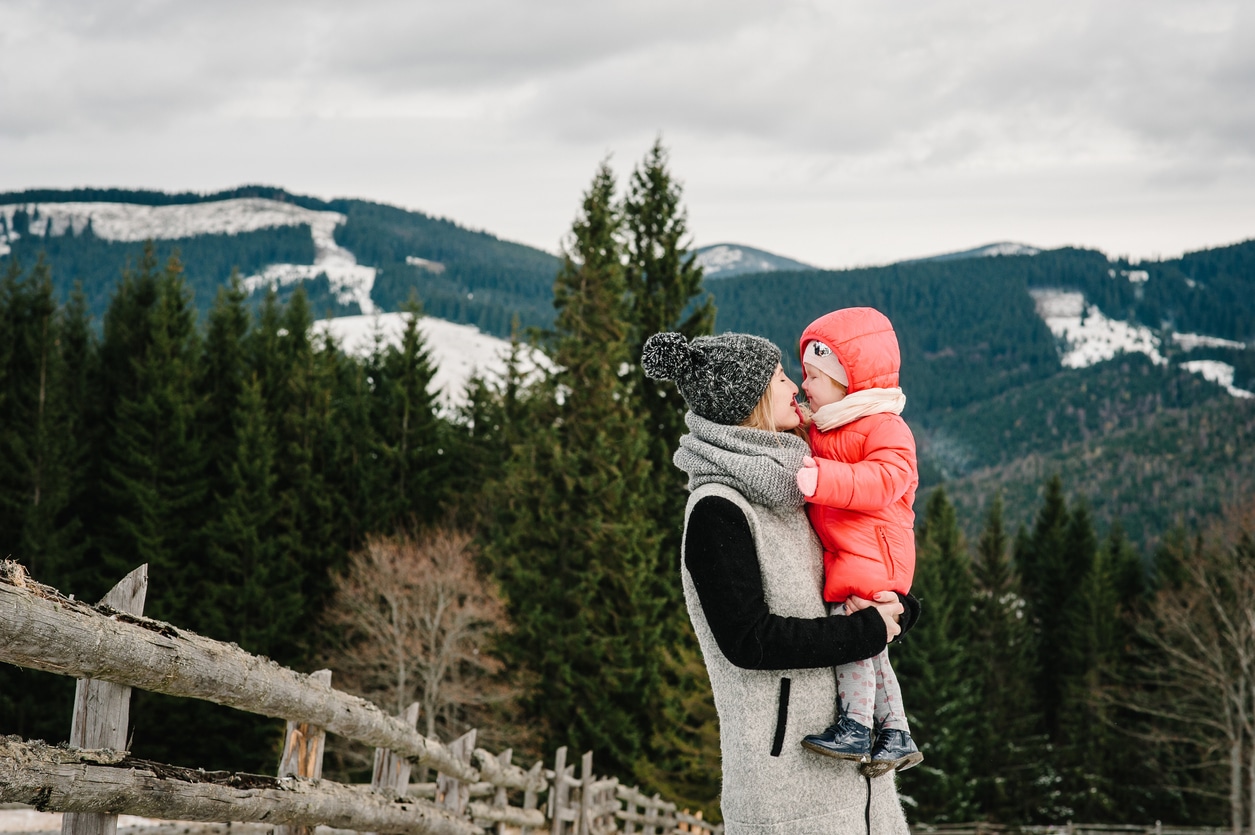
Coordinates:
(782, 717)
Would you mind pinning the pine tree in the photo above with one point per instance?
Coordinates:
(299, 383)
(1012, 769)
(223, 371)
(937, 671)
(411, 463)
(683, 762)
(39, 450)
(38, 447)
(1042, 560)
(664, 293)
(664, 290)
(569, 539)
(153, 474)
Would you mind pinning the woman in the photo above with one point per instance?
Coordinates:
(753, 582)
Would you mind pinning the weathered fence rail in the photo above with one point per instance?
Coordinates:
(111, 647)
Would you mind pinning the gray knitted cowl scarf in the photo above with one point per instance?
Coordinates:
(762, 466)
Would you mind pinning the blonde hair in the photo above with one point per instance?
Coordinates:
(763, 415)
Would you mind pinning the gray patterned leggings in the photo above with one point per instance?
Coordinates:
(868, 691)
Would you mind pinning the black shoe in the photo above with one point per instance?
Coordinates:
(894, 751)
(846, 740)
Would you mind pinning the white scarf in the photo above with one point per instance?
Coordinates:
(859, 404)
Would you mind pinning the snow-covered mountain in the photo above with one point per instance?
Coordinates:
(458, 351)
(986, 251)
(725, 260)
(350, 281)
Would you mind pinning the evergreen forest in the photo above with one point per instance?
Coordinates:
(286, 494)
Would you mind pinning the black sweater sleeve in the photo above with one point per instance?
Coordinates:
(721, 558)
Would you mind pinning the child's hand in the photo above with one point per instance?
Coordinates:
(808, 477)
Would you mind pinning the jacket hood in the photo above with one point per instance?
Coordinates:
(864, 340)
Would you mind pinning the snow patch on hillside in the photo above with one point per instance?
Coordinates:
(1218, 372)
(1134, 276)
(350, 281)
(457, 351)
(1086, 335)
(1190, 341)
(133, 222)
(717, 259)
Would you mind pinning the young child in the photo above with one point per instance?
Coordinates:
(859, 488)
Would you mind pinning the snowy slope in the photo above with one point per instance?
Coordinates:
(457, 351)
(1087, 337)
(350, 281)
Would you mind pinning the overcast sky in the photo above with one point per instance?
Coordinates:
(839, 133)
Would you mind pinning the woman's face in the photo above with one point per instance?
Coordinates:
(784, 411)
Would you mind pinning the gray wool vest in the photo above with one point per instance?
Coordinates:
(770, 783)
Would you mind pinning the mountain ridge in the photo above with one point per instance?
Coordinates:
(994, 339)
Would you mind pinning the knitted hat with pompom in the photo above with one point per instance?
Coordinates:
(721, 377)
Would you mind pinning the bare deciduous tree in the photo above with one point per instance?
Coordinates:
(1198, 687)
(415, 622)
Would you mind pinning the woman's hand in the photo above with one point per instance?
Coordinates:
(889, 606)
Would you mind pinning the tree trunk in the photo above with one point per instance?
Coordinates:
(1235, 784)
(61, 780)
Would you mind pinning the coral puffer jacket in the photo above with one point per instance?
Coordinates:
(862, 509)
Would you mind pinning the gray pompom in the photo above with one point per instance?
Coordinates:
(665, 356)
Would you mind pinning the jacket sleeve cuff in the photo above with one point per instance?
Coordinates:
(910, 612)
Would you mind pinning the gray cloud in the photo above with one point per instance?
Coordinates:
(496, 111)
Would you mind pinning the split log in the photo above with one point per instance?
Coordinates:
(68, 780)
(42, 630)
(451, 793)
(303, 748)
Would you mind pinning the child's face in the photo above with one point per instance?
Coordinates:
(820, 388)
(783, 404)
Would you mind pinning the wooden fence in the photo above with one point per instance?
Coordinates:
(111, 648)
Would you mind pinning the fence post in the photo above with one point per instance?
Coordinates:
(452, 793)
(500, 797)
(558, 793)
(652, 828)
(629, 807)
(102, 708)
(530, 797)
(302, 753)
(584, 825)
(392, 773)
